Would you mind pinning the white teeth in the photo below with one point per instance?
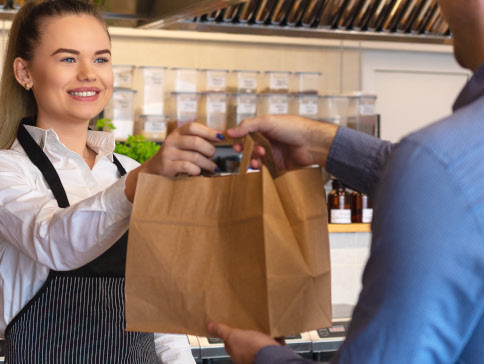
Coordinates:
(83, 94)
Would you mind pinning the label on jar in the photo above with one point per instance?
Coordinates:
(155, 127)
(367, 109)
(247, 105)
(187, 104)
(278, 105)
(308, 106)
(278, 82)
(367, 216)
(247, 83)
(216, 82)
(340, 216)
(216, 107)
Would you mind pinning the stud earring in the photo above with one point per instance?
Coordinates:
(27, 86)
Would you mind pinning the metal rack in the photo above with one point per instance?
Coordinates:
(418, 21)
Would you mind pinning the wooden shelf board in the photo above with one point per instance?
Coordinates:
(349, 228)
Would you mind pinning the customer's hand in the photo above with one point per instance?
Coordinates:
(296, 141)
(241, 345)
(186, 150)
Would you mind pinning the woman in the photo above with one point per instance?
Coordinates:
(65, 198)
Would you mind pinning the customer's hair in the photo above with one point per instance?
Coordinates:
(24, 36)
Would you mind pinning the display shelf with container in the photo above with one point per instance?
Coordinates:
(152, 127)
(307, 82)
(244, 81)
(273, 103)
(183, 108)
(152, 90)
(120, 110)
(339, 204)
(213, 110)
(183, 80)
(123, 76)
(213, 80)
(242, 106)
(276, 82)
(306, 105)
(334, 109)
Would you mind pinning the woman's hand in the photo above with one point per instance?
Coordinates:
(296, 141)
(187, 150)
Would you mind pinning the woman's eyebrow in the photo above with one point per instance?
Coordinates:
(73, 51)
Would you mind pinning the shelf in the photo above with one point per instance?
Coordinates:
(349, 228)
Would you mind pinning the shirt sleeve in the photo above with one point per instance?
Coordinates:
(59, 239)
(279, 355)
(357, 159)
(422, 287)
(173, 349)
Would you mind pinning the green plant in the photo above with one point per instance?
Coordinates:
(137, 148)
(104, 123)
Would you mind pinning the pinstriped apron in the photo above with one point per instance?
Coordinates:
(77, 316)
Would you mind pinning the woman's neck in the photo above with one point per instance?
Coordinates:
(72, 134)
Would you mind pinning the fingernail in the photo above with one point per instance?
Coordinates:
(217, 169)
(220, 136)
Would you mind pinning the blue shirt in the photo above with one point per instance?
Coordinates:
(422, 299)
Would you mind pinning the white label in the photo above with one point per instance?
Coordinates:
(279, 82)
(278, 105)
(340, 216)
(216, 82)
(187, 104)
(122, 78)
(155, 127)
(123, 106)
(216, 107)
(367, 216)
(367, 109)
(308, 106)
(247, 83)
(246, 105)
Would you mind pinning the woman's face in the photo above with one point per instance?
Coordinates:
(71, 71)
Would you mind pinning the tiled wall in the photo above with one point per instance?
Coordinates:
(349, 253)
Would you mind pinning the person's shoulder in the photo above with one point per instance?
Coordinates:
(10, 158)
(455, 137)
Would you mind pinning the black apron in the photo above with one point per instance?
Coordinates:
(77, 316)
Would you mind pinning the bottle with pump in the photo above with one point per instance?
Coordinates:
(361, 208)
(339, 204)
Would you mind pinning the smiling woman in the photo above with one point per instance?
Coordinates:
(66, 197)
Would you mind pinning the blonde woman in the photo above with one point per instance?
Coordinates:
(66, 198)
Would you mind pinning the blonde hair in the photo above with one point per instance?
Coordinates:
(25, 33)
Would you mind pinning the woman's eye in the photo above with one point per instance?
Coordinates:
(68, 60)
(101, 60)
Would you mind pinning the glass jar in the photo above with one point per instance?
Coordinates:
(242, 106)
(213, 110)
(123, 76)
(152, 127)
(361, 208)
(152, 90)
(276, 82)
(334, 109)
(213, 80)
(245, 81)
(183, 79)
(306, 105)
(339, 204)
(185, 107)
(273, 104)
(307, 82)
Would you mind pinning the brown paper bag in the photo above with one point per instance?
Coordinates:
(249, 250)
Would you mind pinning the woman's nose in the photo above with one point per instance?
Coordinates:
(86, 72)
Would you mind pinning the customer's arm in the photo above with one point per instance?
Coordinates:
(422, 287)
(357, 159)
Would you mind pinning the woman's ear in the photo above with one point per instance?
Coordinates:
(22, 73)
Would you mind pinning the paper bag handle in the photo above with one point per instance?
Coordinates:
(248, 142)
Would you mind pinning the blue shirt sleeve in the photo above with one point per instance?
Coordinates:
(423, 296)
(279, 355)
(357, 159)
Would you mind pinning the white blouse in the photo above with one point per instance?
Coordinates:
(37, 236)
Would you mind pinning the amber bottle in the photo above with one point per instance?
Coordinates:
(361, 208)
(339, 204)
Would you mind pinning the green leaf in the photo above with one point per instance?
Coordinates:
(137, 148)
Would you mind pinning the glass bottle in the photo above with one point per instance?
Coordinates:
(361, 208)
(339, 205)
